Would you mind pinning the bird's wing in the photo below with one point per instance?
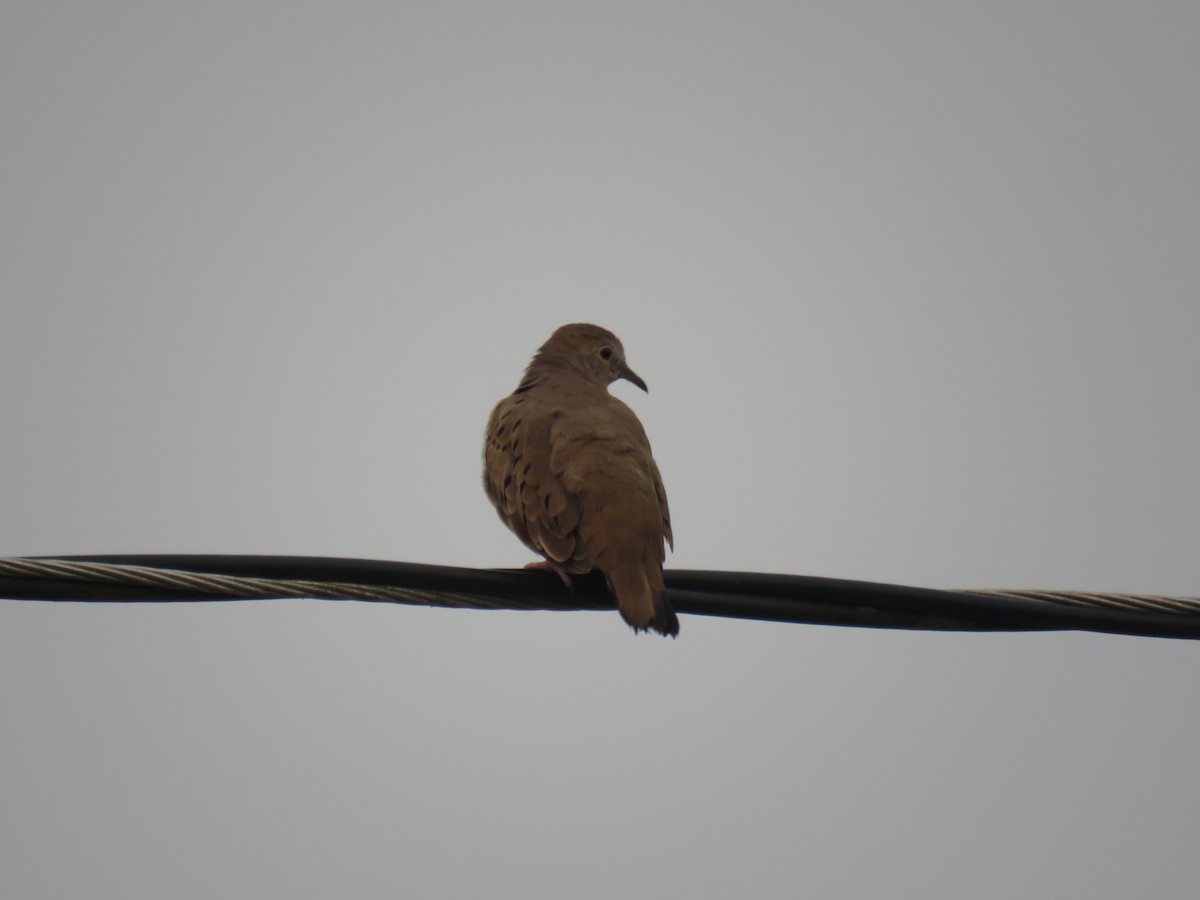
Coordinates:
(523, 486)
(601, 455)
(662, 503)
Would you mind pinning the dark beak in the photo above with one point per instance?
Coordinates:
(631, 376)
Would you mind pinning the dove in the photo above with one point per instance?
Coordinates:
(569, 469)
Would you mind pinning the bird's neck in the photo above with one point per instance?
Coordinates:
(551, 373)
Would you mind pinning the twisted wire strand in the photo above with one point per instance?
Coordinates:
(237, 586)
(747, 595)
(1149, 603)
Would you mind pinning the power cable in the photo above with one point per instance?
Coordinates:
(742, 595)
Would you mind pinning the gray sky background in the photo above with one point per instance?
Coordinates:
(915, 288)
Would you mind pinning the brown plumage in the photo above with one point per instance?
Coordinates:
(568, 468)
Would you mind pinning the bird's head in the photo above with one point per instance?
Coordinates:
(592, 351)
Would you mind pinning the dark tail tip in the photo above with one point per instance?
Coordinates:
(665, 621)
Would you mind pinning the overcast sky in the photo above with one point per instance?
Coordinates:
(916, 289)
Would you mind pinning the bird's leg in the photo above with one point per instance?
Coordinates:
(547, 566)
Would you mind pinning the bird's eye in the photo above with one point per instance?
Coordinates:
(606, 352)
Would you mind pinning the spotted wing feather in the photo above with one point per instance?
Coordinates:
(521, 483)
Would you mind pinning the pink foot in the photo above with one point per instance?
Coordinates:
(547, 566)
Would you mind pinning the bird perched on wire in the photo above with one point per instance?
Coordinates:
(568, 468)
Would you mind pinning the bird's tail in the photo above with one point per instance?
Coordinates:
(641, 598)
